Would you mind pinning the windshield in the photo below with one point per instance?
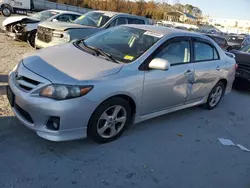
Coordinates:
(246, 49)
(94, 19)
(44, 15)
(124, 44)
(235, 39)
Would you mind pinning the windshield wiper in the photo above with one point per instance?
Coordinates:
(97, 51)
(109, 56)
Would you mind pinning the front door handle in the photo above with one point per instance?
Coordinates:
(218, 68)
(188, 72)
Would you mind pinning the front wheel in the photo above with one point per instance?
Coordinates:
(109, 120)
(215, 96)
(6, 11)
(31, 38)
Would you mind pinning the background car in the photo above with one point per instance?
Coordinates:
(25, 27)
(99, 85)
(50, 34)
(221, 41)
(242, 79)
(237, 41)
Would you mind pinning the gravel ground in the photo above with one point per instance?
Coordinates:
(11, 53)
(173, 151)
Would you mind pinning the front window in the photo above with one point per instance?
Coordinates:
(125, 44)
(235, 39)
(94, 19)
(44, 15)
(176, 52)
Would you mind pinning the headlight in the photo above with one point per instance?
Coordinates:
(65, 37)
(16, 67)
(62, 92)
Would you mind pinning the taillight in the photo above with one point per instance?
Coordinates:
(236, 66)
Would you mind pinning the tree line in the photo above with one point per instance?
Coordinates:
(149, 9)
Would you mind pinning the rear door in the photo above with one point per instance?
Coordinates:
(207, 68)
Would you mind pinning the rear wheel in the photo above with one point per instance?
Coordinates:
(6, 11)
(215, 96)
(31, 38)
(109, 120)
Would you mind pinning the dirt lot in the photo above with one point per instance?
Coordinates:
(173, 151)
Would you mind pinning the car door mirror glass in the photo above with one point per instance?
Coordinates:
(159, 64)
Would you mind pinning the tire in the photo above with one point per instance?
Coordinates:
(101, 130)
(6, 11)
(211, 105)
(31, 38)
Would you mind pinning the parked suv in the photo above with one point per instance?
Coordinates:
(99, 85)
(50, 34)
(237, 41)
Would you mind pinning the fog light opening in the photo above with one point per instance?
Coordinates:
(53, 123)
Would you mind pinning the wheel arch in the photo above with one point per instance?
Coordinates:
(6, 5)
(126, 97)
(224, 81)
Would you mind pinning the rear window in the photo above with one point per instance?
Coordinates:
(235, 39)
(135, 21)
(219, 41)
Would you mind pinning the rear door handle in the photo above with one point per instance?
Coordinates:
(218, 68)
(188, 72)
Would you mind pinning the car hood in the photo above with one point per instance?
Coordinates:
(15, 19)
(62, 26)
(67, 64)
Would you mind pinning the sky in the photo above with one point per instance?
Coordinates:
(231, 9)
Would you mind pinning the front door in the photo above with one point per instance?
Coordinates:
(169, 88)
(207, 68)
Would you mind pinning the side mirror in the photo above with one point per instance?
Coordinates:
(159, 64)
(54, 20)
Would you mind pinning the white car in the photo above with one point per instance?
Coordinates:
(25, 27)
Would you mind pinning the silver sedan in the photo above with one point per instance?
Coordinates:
(96, 87)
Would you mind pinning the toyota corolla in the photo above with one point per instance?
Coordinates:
(97, 86)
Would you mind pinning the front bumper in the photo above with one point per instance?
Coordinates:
(74, 114)
(17, 36)
(41, 44)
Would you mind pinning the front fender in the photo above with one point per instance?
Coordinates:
(31, 26)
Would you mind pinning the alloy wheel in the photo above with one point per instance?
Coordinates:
(216, 96)
(112, 121)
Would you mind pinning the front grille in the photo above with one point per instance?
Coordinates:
(44, 34)
(243, 66)
(25, 83)
(24, 114)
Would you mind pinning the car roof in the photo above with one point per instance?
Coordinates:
(167, 31)
(64, 11)
(217, 36)
(111, 13)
